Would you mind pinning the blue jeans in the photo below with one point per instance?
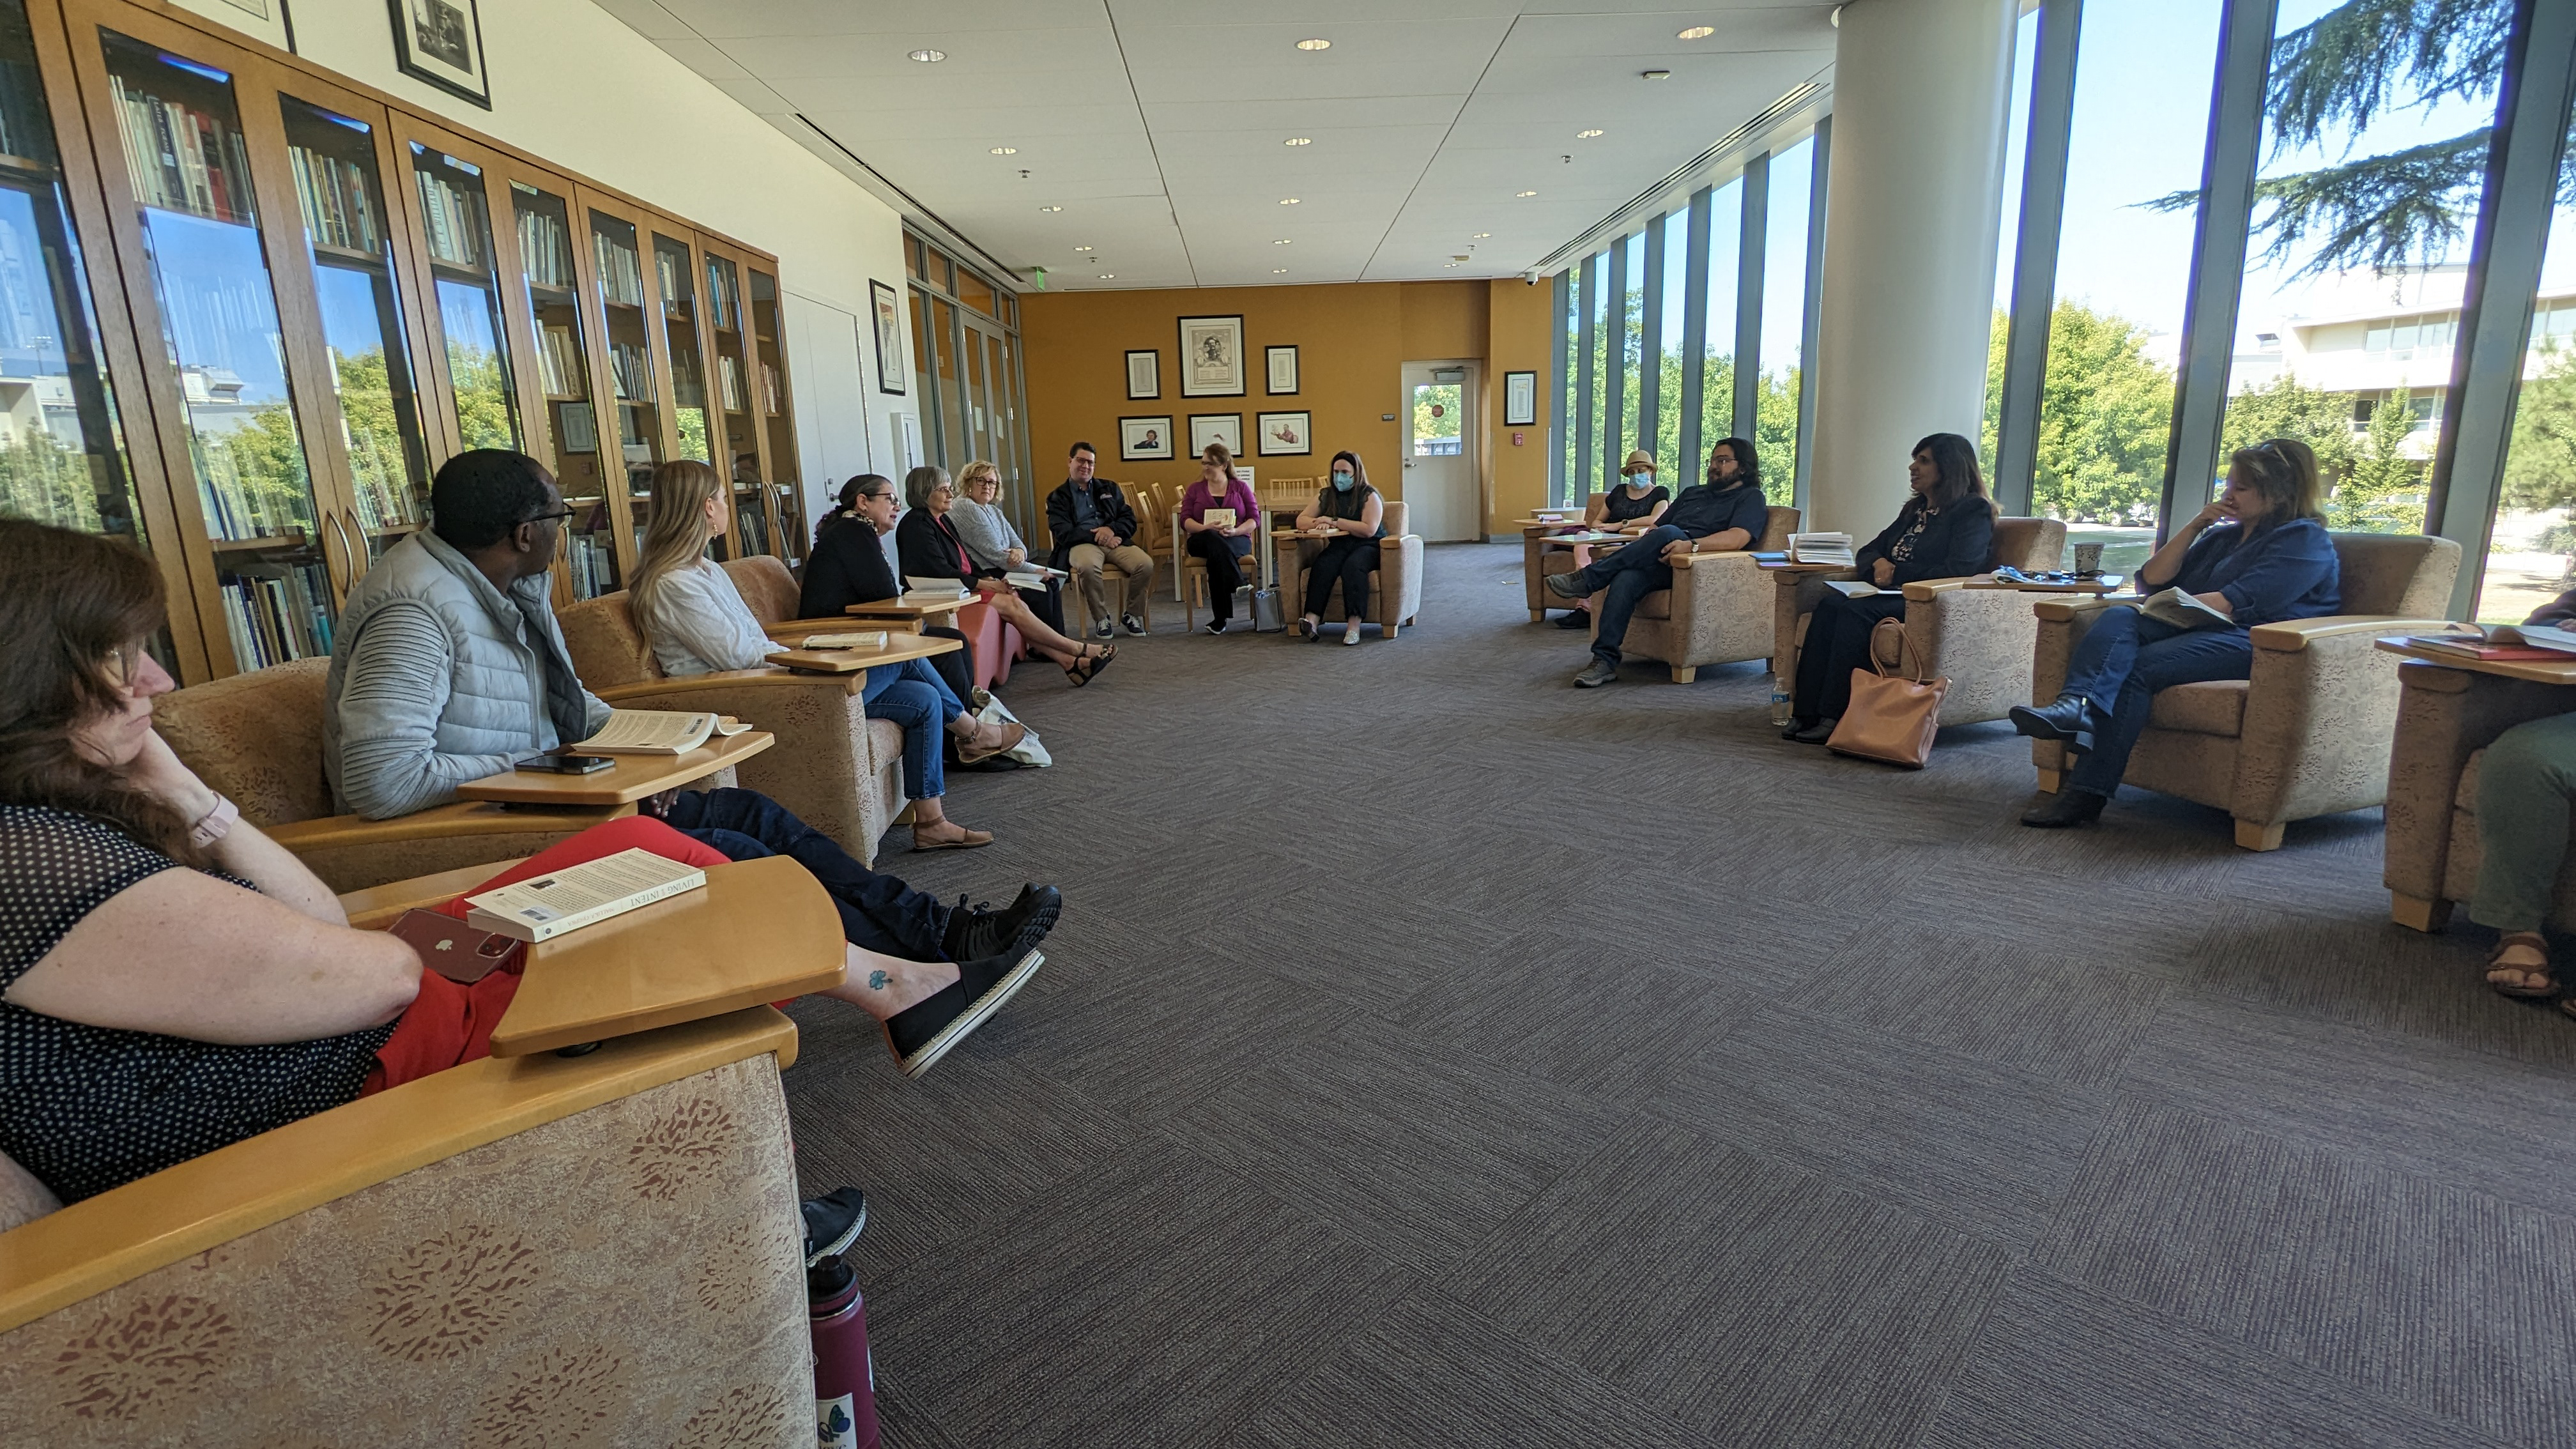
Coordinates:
(1628, 575)
(2124, 659)
(911, 694)
(878, 912)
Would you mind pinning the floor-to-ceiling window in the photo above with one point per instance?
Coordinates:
(2531, 551)
(2008, 245)
(1784, 297)
(966, 344)
(1671, 308)
(1716, 361)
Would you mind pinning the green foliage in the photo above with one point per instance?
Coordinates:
(40, 479)
(2540, 470)
(2285, 408)
(2383, 490)
(2106, 409)
(484, 415)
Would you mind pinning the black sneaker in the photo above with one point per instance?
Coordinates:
(1215, 626)
(1578, 619)
(833, 1222)
(2067, 808)
(920, 1035)
(1135, 625)
(975, 932)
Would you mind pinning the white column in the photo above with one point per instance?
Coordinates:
(1921, 89)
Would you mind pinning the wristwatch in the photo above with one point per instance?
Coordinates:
(215, 824)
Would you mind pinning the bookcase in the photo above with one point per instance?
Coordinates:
(247, 308)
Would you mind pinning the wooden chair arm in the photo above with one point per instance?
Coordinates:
(2296, 634)
(765, 678)
(377, 907)
(2059, 608)
(440, 822)
(121, 1234)
(1924, 590)
(793, 630)
(1705, 560)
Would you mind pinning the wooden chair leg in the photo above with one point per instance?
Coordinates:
(2418, 914)
(2051, 781)
(1685, 674)
(1390, 630)
(2254, 835)
(1538, 616)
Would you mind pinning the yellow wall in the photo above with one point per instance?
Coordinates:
(1352, 342)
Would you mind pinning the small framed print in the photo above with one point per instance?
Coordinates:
(579, 436)
(1144, 374)
(1226, 428)
(1212, 356)
(1142, 440)
(1286, 435)
(1520, 399)
(441, 42)
(889, 317)
(260, 19)
(1283, 370)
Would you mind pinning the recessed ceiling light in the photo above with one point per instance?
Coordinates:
(1587, 135)
(1480, 236)
(1317, 43)
(1697, 32)
(930, 57)
(1298, 141)
(1524, 193)
(1082, 249)
(1283, 241)
(1109, 276)
(1288, 201)
(1275, 271)
(1050, 208)
(1006, 150)
(1656, 74)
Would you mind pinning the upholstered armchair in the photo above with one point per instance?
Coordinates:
(1978, 639)
(1540, 557)
(1718, 610)
(838, 770)
(2309, 734)
(257, 739)
(1395, 589)
(771, 592)
(2446, 718)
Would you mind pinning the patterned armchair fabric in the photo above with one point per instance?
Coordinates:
(1395, 590)
(627, 1273)
(2309, 734)
(2446, 718)
(838, 770)
(257, 738)
(1718, 610)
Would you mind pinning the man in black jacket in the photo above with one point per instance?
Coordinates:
(1094, 530)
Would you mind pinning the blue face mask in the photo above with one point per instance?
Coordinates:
(1342, 481)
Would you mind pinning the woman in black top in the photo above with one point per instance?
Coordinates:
(1945, 531)
(849, 567)
(928, 547)
(1632, 505)
(1350, 509)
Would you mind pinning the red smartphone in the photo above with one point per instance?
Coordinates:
(458, 951)
(568, 764)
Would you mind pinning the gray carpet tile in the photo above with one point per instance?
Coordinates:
(1435, 1055)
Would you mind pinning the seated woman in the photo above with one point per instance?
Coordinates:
(173, 981)
(994, 542)
(1354, 513)
(1222, 546)
(849, 566)
(2526, 796)
(2258, 554)
(928, 547)
(844, 504)
(697, 623)
(1945, 531)
(1632, 506)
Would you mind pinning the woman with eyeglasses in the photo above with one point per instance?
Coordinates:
(928, 546)
(993, 541)
(849, 566)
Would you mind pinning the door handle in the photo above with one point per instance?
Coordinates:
(348, 555)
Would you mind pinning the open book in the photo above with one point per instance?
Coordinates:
(544, 907)
(854, 639)
(916, 584)
(1033, 576)
(1217, 517)
(2503, 641)
(657, 732)
(1821, 548)
(2182, 611)
(1855, 589)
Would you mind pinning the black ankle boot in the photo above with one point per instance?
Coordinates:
(2068, 807)
(2070, 721)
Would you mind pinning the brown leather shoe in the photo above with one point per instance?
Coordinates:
(991, 740)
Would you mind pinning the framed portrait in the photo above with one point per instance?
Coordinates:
(890, 357)
(441, 42)
(1212, 356)
(1286, 435)
(1520, 399)
(260, 19)
(1144, 374)
(1226, 428)
(1144, 439)
(580, 435)
(1283, 370)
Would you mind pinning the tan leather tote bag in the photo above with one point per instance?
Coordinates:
(1892, 716)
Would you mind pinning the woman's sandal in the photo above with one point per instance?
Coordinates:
(2531, 982)
(1010, 735)
(1083, 670)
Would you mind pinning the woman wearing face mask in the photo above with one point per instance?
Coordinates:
(1221, 546)
(1722, 515)
(1355, 515)
(1631, 506)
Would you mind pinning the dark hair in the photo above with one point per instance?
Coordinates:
(481, 494)
(1359, 473)
(848, 501)
(1082, 448)
(1748, 467)
(2284, 471)
(73, 599)
(1955, 458)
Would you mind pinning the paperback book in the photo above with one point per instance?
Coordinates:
(657, 732)
(547, 906)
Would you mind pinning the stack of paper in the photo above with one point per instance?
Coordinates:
(1821, 548)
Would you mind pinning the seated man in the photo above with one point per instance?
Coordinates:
(449, 667)
(1094, 529)
(2526, 793)
(1722, 515)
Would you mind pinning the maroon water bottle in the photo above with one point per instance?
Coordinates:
(845, 1378)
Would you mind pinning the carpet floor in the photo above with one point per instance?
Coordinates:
(1433, 1054)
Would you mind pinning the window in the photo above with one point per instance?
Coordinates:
(1632, 342)
(1784, 318)
(1717, 357)
(2008, 246)
(2531, 550)
(1667, 442)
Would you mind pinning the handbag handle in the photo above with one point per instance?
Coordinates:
(1904, 643)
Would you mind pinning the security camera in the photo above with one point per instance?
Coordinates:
(1530, 278)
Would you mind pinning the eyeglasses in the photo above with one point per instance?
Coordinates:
(123, 664)
(550, 517)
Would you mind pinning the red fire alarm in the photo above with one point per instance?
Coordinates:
(1517, 439)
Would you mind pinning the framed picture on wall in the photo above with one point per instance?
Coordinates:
(260, 19)
(1520, 399)
(889, 313)
(441, 42)
(1142, 440)
(1283, 370)
(1144, 374)
(1212, 356)
(1286, 435)
(1226, 428)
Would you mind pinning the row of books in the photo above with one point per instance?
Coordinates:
(236, 511)
(277, 618)
(729, 377)
(670, 267)
(338, 209)
(769, 405)
(632, 370)
(621, 277)
(545, 252)
(453, 220)
(181, 158)
(593, 565)
(559, 365)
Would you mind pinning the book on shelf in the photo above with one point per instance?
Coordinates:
(559, 368)
(547, 906)
(594, 567)
(768, 390)
(2182, 611)
(454, 225)
(666, 270)
(658, 732)
(2503, 641)
(275, 618)
(621, 279)
(851, 639)
(180, 158)
(632, 370)
(545, 253)
(1821, 548)
(719, 313)
(729, 377)
(338, 210)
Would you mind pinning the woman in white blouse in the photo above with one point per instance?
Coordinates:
(697, 623)
(991, 539)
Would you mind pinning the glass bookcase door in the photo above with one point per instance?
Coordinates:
(342, 197)
(675, 288)
(730, 395)
(563, 378)
(628, 346)
(188, 169)
(777, 417)
(465, 277)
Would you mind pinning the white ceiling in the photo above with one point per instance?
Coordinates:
(1159, 126)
